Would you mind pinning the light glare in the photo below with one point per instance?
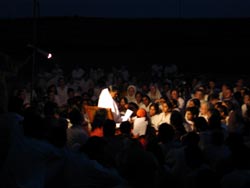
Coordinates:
(49, 56)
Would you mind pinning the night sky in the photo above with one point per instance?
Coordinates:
(205, 42)
(129, 8)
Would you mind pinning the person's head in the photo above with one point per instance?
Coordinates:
(113, 90)
(56, 131)
(211, 83)
(200, 124)
(99, 118)
(141, 112)
(167, 106)
(134, 107)
(174, 94)
(138, 96)
(71, 92)
(109, 128)
(204, 108)
(146, 100)
(153, 88)
(191, 113)
(154, 109)
(194, 102)
(32, 123)
(76, 117)
(228, 93)
(213, 98)
(123, 102)
(131, 90)
(199, 94)
(246, 98)
(51, 109)
(61, 82)
(125, 127)
(166, 132)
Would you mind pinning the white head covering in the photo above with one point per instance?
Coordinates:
(131, 98)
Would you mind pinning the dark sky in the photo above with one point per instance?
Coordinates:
(129, 8)
(224, 50)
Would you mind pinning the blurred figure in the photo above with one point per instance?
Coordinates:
(107, 100)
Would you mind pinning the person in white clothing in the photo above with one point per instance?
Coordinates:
(154, 117)
(174, 94)
(154, 93)
(245, 105)
(131, 91)
(107, 100)
(166, 112)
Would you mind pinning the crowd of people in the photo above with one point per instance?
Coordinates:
(184, 131)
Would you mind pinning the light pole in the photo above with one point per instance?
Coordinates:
(34, 49)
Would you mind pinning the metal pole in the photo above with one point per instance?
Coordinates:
(34, 49)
